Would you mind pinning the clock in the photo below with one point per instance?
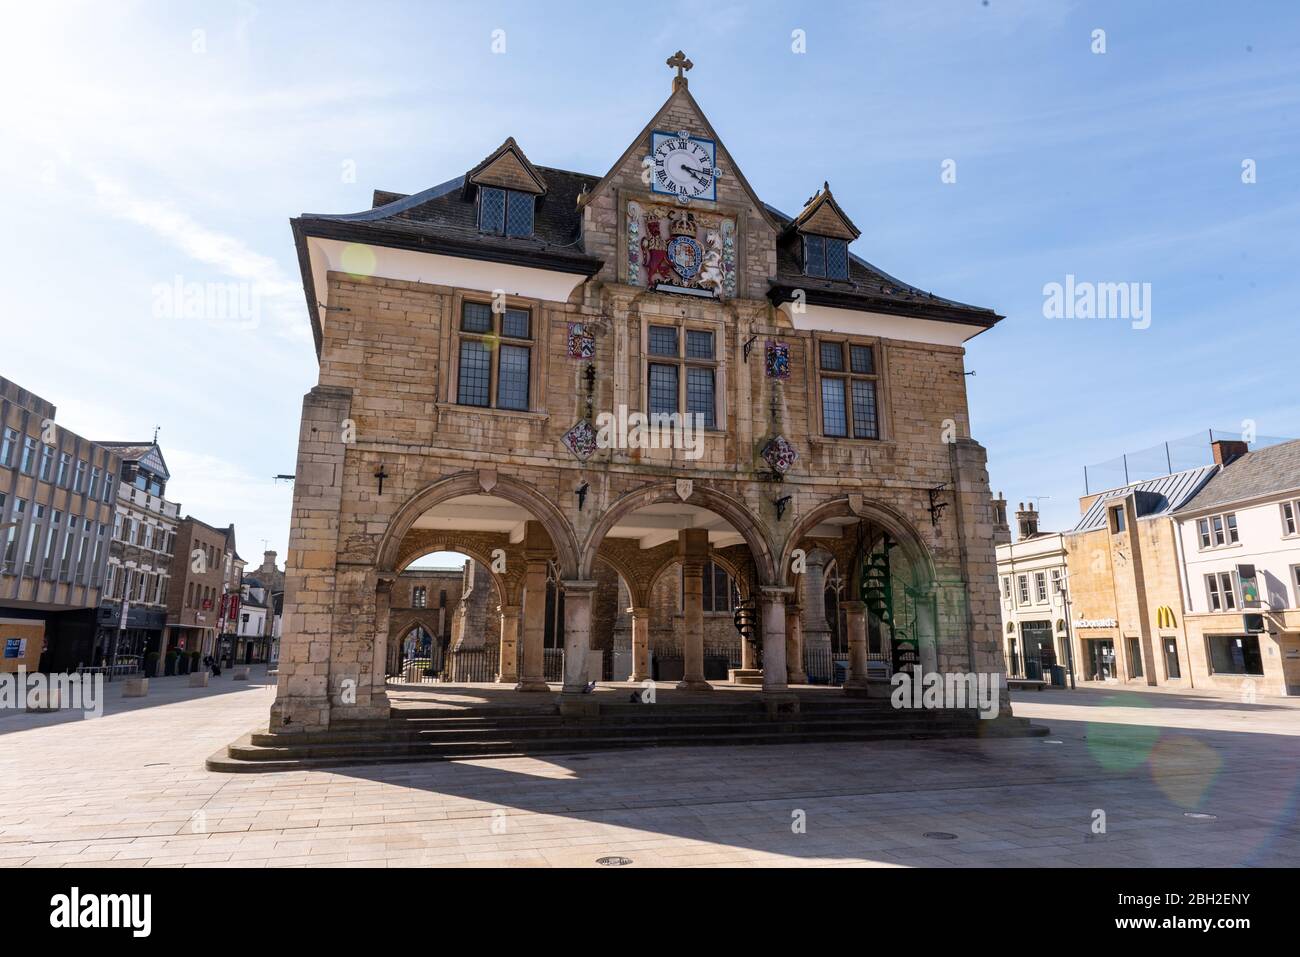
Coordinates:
(682, 165)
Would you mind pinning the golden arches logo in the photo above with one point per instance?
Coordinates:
(1165, 617)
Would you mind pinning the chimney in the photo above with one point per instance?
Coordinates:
(1027, 521)
(1001, 530)
(268, 559)
(1227, 451)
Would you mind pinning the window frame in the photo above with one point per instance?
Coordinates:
(508, 197)
(846, 374)
(1221, 589)
(1218, 530)
(1293, 506)
(1040, 588)
(1022, 588)
(825, 242)
(495, 340)
(717, 365)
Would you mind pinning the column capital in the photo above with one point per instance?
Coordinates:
(511, 611)
(775, 592)
(854, 607)
(579, 585)
(639, 611)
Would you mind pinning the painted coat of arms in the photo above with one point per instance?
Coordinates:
(779, 454)
(777, 364)
(682, 248)
(582, 344)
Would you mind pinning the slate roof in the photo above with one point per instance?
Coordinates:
(444, 219)
(128, 451)
(1258, 473)
(1158, 496)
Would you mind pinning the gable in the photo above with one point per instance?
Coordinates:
(735, 232)
(508, 167)
(823, 216)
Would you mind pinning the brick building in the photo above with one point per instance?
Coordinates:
(205, 567)
(57, 500)
(477, 340)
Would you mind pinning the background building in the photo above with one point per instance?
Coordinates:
(133, 612)
(204, 568)
(1239, 538)
(57, 499)
(1033, 578)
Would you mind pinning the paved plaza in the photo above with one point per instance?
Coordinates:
(129, 790)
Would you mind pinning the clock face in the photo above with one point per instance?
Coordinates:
(683, 166)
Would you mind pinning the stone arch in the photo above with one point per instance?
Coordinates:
(902, 531)
(638, 594)
(741, 519)
(475, 483)
(506, 586)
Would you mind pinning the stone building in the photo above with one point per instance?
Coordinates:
(57, 495)
(488, 349)
(133, 613)
(205, 568)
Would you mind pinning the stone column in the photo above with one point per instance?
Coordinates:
(640, 643)
(534, 616)
(302, 700)
(794, 647)
(507, 665)
(773, 605)
(747, 656)
(816, 631)
(693, 548)
(855, 615)
(577, 635)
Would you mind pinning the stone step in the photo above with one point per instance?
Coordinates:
(446, 731)
(295, 756)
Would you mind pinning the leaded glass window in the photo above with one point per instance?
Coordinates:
(837, 259)
(495, 357)
(512, 377)
(491, 209)
(699, 344)
(849, 396)
(814, 255)
(519, 214)
(699, 393)
(663, 388)
(662, 340)
(475, 373)
(833, 420)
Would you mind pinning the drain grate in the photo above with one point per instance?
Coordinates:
(613, 861)
(940, 835)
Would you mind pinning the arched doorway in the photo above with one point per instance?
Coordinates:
(515, 536)
(693, 531)
(863, 573)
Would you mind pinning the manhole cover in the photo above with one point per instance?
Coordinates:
(613, 861)
(940, 835)
(1200, 816)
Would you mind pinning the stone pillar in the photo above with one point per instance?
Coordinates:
(508, 659)
(816, 631)
(773, 605)
(855, 615)
(302, 700)
(794, 647)
(925, 628)
(534, 617)
(693, 549)
(640, 643)
(577, 635)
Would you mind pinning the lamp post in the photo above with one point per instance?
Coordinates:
(1069, 628)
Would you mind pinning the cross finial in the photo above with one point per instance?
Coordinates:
(679, 62)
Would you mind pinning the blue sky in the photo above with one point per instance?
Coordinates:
(136, 150)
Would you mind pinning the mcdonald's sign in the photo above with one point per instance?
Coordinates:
(1165, 617)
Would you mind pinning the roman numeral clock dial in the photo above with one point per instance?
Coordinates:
(683, 166)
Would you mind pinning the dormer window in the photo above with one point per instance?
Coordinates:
(505, 212)
(825, 257)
